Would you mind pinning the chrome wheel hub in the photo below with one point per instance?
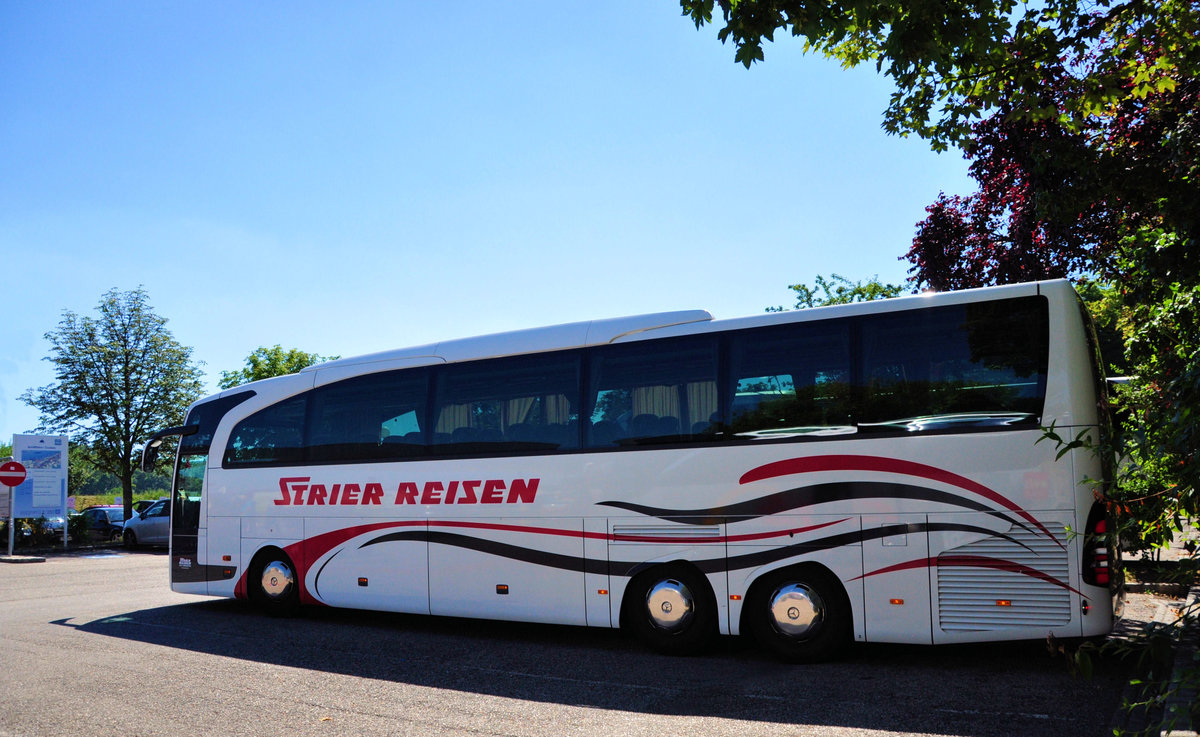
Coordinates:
(796, 610)
(277, 579)
(669, 605)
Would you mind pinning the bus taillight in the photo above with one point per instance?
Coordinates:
(1095, 563)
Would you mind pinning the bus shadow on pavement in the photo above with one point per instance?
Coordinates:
(986, 689)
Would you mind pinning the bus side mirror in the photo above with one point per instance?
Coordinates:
(150, 455)
(150, 451)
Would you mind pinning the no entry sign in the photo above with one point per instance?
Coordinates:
(12, 474)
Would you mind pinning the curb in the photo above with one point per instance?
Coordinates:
(22, 559)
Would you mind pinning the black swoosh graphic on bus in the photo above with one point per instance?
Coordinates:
(763, 557)
(711, 565)
(503, 550)
(807, 496)
(317, 578)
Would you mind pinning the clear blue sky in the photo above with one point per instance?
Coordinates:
(349, 177)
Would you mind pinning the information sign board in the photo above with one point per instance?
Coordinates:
(44, 491)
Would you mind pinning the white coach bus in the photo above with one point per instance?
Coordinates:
(866, 472)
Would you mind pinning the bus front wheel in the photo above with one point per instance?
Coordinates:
(800, 614)
(671, 609)
(272, 583)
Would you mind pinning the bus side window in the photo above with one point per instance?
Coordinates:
(372, 417)
(508, 405)
(660, 392)
(791, 381)
(981, 359)
(274, 435)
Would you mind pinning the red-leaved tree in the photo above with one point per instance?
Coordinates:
(1044, 208)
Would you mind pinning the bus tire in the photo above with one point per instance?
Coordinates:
(272, 583)
(800, 614)
(671, 609)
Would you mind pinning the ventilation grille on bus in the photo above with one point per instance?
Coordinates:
(977, 597)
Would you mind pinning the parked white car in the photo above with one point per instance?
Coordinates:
(151, 526)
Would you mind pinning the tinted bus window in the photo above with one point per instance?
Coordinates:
(665, 391)
(274, 435)
(373, 417)
(962, 365)
(529, 403)
(792, 381)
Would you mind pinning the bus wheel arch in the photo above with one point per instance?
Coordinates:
(272, 582)
(671, 608)
(801, 613)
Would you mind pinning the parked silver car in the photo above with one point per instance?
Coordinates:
(151, 526)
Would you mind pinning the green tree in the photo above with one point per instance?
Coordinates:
(264, 363)
(957, 60)
(118, 378)
(838, 290)
(82, 475)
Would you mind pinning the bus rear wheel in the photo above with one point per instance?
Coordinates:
(671, 609)
(800, 614)
(272, 583)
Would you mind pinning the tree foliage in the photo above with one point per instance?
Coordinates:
(119, 377)
(955, 61)
(1059, 203)
(81, 469)
(838, 290)
(1041, 211)
(264, 363)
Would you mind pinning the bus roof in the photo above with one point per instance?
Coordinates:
(531, 340)
(661, 324)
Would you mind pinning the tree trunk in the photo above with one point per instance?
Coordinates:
(127, 491)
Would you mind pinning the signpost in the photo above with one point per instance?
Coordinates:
(12, 474)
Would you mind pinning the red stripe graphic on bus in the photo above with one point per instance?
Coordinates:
(811, 464)
(306, 551)
(971, 561)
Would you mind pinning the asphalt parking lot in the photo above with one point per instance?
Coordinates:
(99, 645)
